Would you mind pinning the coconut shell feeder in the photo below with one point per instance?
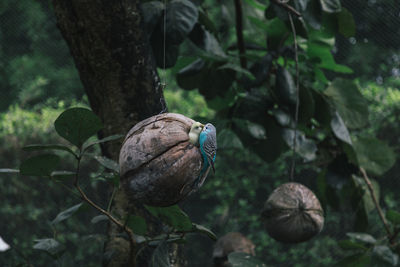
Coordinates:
(231, 242)
(293, 214)
(157, 162)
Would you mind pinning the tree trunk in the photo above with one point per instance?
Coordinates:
(116, 66)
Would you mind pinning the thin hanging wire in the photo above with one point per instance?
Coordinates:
(164, 84)
(296, 116)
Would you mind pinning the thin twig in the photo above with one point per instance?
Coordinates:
(239, 33)
(296, 115)
(378, 207)
(287, 7)
(106, 213)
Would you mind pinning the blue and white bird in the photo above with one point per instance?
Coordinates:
(208, 148)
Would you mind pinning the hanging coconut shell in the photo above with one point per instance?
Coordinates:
(231, 242)
(157, 162)
(293, 214)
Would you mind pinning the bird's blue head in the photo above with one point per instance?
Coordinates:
(209, 128)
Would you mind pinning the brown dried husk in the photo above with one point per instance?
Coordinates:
(157, 163)
(293, 214)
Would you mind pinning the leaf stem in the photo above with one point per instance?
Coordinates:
(378, 207)
(239, 33)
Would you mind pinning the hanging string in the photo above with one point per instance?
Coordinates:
(296, 116)
(163, 75)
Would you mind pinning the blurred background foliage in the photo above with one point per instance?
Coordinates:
(38, 80)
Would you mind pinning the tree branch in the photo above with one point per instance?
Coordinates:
(378, 207)
(239, 33)
(287, 7)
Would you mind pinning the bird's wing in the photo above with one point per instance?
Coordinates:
(210, 148)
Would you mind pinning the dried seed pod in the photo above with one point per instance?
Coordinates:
(157, 163)
(293, 214)
(231, 242)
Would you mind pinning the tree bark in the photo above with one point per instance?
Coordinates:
(115, 63)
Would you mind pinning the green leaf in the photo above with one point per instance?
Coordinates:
(9, 171)
(41, 165)
(351, 105)
(374, 155)
(285, 87)
(306, 148)
(49, 147)
(256, 4)
(99, 218)
(137, 224)
(77, 124)
(363, 237)
(241, 259)
(322, 53)
(172, 216)
(238, 69)
(181, 17)
(50, 245)
(114, 137)
(357, 260)
(351, 245)
(276, 31)
(206, 41)
(201, 229)
(386, 254)
(66, 213)
(369, 204)
(339, 128)
(160, 257)
(151, 13)
(108, 163)
(62, 174)
(393, 216)
(331, 6)
(346, 23)
(190, 76)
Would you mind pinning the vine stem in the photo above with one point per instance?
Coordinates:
(378, 207)
(296, 116)
(101, 210)
(239, 33)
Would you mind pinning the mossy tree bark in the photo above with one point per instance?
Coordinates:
(115, 64)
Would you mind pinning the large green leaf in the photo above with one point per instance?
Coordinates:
(77, 124)
(241, 259)
(181, 17)
(190, 76)
(339, 129)
(276, 31)
(368, 202)
(40, 165)
(137, 224)
(172, 216)
(50, 245)
(351, 105)
(346, 23)
(331, 6)
(374, 155)
(66, 213)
